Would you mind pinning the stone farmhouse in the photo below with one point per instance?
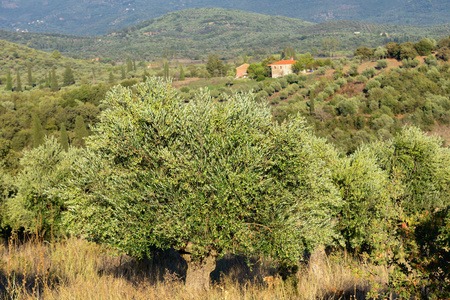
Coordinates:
(282, 68)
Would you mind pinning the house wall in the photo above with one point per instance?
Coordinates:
(279, 71)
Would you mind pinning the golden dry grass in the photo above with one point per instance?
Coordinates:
(77, 269)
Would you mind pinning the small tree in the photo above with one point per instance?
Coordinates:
(129, 65)
(54, 86)
(181, 73)
(38, 131)
(56, 54)
(122, 71)
(64, 137)
(166, 73)
(382, 64)
(364, 53)
(202, 177)
(8, 81)
(29, 75)
(34, 207)
(80, 131)
(18, 82)
(68, 78)
(111, 78)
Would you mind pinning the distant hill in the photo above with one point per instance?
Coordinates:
(196, 32)
(97, 16)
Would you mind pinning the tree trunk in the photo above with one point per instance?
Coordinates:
(317, 261)
(198, 271)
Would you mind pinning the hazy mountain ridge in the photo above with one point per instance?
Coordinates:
(199, 31)
(96, 16)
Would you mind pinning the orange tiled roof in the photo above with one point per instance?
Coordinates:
(283, 62)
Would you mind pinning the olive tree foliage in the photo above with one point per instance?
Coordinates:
(420, 165)
(34, 206)
(202, 177)
(7, 189)
(366, 217)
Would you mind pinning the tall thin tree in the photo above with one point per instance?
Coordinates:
(18, 82)
(8, 81)
(38, 131)
(64, 137)
(29, 75)
(54, 86)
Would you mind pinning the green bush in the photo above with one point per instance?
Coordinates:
(36, 207)
(382, 64)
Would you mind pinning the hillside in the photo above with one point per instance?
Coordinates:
(95, 17)
(194, 33)
(26, 61)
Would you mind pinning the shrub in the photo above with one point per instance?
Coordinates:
(371, 84)
(276, 86)
(369, 72)
(321, 70)
(284, 94)
(184, 89)
(382, 64)
(361, 79)
(269, 90)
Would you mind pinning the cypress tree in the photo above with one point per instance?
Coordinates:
(166, 70)
(38, 132)
(111, 77)
(181, 72)
(18, 82)
(129, 65)
(80, 130)
(123, 72)
(68, 78)
(54, 81)
(30, 76)
(134, 65)
(64, 137)
(8, 81)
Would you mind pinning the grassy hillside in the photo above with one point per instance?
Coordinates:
(194, 33)
(95, 17)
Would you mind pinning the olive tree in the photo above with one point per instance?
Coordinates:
(420, 165)
(34, 207)
(202, 177)
(367, 217)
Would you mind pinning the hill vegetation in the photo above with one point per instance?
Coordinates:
(95, 17)
(195, 33)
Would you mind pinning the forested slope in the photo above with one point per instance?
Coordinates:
(194, 33)
(96, 17)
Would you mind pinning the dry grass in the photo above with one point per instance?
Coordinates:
(77, 269)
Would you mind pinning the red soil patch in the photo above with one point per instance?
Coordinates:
(351, 89)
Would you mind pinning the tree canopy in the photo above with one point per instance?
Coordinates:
(203, 177)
